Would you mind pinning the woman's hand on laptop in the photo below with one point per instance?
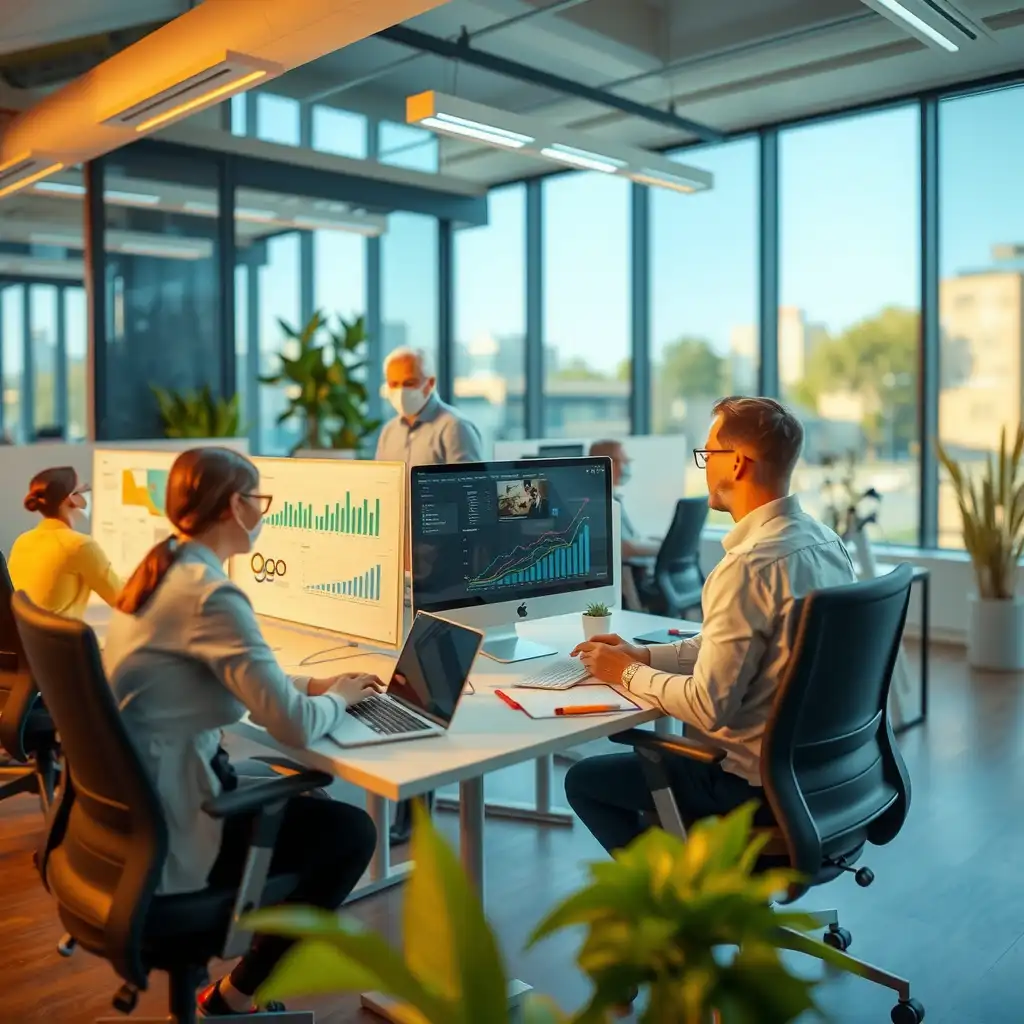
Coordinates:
(352, 686)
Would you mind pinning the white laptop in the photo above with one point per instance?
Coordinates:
(429, 678)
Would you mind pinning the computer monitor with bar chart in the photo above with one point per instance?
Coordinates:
(494, 544)
(330, 552)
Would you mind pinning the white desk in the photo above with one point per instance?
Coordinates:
(486, 735)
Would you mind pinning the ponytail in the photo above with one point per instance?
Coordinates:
(147, 577)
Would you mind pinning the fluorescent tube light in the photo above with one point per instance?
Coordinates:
(62, 241)
(60, 188)
(130, 198)
(232, 74)
(26, 170)
(450, 115)
(919, 24)
(581, 158)
(259, 216)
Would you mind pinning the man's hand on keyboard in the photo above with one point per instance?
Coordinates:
(353, 686)
(616, 643)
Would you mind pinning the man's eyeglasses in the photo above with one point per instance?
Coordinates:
(263, 501)
(700, 455)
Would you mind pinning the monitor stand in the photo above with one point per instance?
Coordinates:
(504, 644)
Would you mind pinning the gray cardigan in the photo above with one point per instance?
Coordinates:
(190, 663)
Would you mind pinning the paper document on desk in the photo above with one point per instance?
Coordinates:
(546, 703)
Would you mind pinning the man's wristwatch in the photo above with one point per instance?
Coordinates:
(628, 672)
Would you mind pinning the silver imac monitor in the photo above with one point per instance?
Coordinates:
(499, 543)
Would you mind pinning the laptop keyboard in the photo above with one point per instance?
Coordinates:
(385, 717)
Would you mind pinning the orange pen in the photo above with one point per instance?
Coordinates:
(587, 709)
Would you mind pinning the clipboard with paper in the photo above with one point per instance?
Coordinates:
(596, 699)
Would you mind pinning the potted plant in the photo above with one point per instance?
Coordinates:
(597, 619)
(323, 388)
(197, 413)
(992, 514)
(655, 918)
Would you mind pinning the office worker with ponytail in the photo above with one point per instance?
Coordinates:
(186, 658)
(54, 563)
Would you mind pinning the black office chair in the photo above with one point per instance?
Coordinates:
(107, 843)
(27, 735)
(676, 583)
(833, 775)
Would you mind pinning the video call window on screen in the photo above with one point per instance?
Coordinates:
(518, 498)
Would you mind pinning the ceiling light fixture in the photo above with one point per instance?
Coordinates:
(59, 188)
(449, 115)
(228, 76)
(26, 170)
(130, 198)
(936, 23)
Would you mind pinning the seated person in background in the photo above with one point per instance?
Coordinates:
(54, 564)
(185, 658)
(722, 682)
(633, 545)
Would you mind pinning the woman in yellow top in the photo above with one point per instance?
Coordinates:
(54, 564)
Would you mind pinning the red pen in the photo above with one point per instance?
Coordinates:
(509, 701)
(680, 632)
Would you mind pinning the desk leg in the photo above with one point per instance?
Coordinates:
(471, 845)
(540, 812)
(382, 874)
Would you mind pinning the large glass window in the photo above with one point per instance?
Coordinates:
(339, 131)
(277, 119)
(76, 328)
(849, 317)
(704, 296)
(404, 145)
(43, 313)
(12, 358)
(586, 305)
(409, 284)
(981, 284)
(490, 318)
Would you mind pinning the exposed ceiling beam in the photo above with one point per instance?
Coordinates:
(386, 69)
(460, 50)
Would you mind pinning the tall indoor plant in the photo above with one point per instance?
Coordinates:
(992, 514)
(652, 918)
(324, 391)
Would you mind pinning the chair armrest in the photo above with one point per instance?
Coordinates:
(257, 795)
(641, 739)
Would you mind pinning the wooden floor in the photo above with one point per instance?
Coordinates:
(946, 909)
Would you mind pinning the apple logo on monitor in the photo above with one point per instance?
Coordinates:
(521, 611)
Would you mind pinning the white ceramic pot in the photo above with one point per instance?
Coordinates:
(995, 634)
(325, 453)
(595, 625)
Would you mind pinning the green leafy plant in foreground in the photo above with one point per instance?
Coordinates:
(598, 611)
(654, 918)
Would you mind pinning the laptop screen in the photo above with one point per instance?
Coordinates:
(433, 667)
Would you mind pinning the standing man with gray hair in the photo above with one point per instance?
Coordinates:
(426, 432)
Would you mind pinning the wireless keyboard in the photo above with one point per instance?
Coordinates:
(557, 675)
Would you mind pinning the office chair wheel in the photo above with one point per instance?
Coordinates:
(864, 877)
(910, 1012)
(66, 946)
(126, 999)
(837, 938)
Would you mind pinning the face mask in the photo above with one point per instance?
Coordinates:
(80, 519)
(625, 474)
(254, 533)
(407, 401)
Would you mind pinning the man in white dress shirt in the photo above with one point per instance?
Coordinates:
(721, 683)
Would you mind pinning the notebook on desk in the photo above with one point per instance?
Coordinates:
(663, 636)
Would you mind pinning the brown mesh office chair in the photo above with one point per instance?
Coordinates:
(833, 776)
(107, 843)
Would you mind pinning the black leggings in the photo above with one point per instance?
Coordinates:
(328, 844)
